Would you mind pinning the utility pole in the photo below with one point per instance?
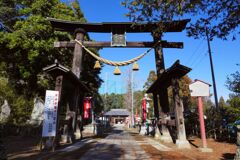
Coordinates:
(212, 70)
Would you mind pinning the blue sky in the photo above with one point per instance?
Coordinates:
(194, 54)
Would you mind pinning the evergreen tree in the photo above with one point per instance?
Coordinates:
(29, 47)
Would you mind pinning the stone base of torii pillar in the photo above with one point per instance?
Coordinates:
(165, 136)
(143, 130)
(157, 133)
(183, 144)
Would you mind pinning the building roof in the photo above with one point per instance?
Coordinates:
(164, 81)
(57, 69)
(107, 27)
(117, 112)
(201, 81)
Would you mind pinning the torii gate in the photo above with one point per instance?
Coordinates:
(80, 30)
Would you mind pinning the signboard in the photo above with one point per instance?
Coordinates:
(118, 39)
(50, 114)
(199, 89)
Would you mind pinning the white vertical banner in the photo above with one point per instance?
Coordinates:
(50, 114)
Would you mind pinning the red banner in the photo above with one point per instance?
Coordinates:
(136, 116)
(87, 107)
(144, 110)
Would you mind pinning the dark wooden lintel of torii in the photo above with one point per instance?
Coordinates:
(102, 44)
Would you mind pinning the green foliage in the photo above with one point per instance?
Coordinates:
(232, 110)
(21, 109)
(29, 48)
(221, 102)
(151, 78)
(184, 93)
(20, 106)
(6, 92)
(220, 16)
(98, 103)
(112, 101)
(233, 82)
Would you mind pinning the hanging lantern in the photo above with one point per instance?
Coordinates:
(117, 71)
(135, 66)
(97, 65)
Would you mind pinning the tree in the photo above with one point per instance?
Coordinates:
(233, 82)
(233, 110)
(152, 77)
(29, 47)
(221, 102)
(112, 101)
(184, 93)
(220, 16)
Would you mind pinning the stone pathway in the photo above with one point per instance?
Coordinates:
(118, 145)
(76, 146)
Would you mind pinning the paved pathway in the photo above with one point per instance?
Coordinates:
(118, 145)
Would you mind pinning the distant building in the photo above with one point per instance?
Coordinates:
(116, 116)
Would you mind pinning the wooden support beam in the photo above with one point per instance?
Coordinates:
(155, 105)
(164, 44)
(167, 122)
(77, 55)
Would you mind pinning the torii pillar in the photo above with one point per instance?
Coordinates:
(163, 96)
(181, 141)
(77, 69)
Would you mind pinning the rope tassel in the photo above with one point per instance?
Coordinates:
(135, 66)
(117, 71)
(97, 65)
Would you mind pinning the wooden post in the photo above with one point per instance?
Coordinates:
(179, 118)
(163, 94)
(157, 134)
(201, 121)
(76, 126)
(202, 127)
(155, 105)
(78, 53)
(58, 87)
